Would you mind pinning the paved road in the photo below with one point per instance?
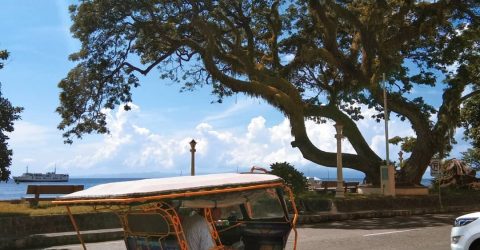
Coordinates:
(429, 232)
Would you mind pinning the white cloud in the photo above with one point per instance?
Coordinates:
(27, 160)
(203, 126)
(26, 133)
(287, 58)
(141, 131)
(378, 144)
(231, 111)
(256, 126)
(452, 68)
(263, 145)
(226, 137)
(156, 153)
(281, 133)
(285, 154)
(92, 154)
(32, 145)
(131, 147)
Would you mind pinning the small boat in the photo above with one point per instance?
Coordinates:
(40, 177)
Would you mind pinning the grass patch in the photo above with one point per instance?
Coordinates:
(22, 208)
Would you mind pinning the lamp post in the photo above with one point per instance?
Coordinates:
(339, 192)
(400, 157)
(192, 150)
(385, 114)
(389, 181)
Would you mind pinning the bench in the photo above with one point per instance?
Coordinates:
(37, 190)
(351, 186)
(328, 186)
(331, 186)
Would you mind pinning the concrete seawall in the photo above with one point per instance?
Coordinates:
(22, 232)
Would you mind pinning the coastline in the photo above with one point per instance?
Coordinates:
(12, 191)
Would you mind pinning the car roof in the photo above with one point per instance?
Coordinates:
(470, 215)
(179, 184)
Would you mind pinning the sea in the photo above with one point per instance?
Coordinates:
(14, 191)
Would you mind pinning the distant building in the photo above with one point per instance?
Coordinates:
(314, 183)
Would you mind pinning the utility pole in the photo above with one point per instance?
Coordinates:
(339, 192)
(385, 114)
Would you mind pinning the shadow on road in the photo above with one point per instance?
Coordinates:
(427, 220)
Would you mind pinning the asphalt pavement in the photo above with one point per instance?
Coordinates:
(428, 232)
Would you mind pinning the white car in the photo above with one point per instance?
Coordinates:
(466, 232)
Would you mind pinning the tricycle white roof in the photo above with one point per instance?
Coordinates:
(157, 186)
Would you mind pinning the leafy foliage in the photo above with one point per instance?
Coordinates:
(471, 122)
(8, 114)
(471, 119)
(407, 144)
(3, 56)
(294, 178)
(472, 158)
(318, 60)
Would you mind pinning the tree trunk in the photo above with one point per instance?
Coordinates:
(415, 166)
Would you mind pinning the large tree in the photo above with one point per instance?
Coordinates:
(8, 114)
(471, 122)
(471, 118)
(317, 59)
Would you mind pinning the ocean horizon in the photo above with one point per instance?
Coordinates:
(14, 191)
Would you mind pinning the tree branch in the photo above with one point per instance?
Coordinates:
(469, 95)
(155, 63)
(351, 130)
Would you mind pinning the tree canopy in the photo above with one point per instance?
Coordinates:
(8, 114)
(472, 158)
(471, 122)
(292, 177)
(471, 119)
(311, 59)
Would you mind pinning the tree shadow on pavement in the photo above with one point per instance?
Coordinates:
(427, 220)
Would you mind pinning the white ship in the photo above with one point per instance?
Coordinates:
(39, 177)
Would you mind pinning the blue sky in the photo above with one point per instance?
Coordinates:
(152, 139)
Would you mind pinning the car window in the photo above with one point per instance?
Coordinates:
(265, 205)
(231, 213)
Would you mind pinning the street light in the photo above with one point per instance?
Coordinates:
(339, 192)
(400, 157)
(390, 174)
(385, 114)
(192, 149)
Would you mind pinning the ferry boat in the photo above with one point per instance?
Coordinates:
(39, 177)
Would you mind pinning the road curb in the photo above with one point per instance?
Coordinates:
(36, 241)
(332, 216)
